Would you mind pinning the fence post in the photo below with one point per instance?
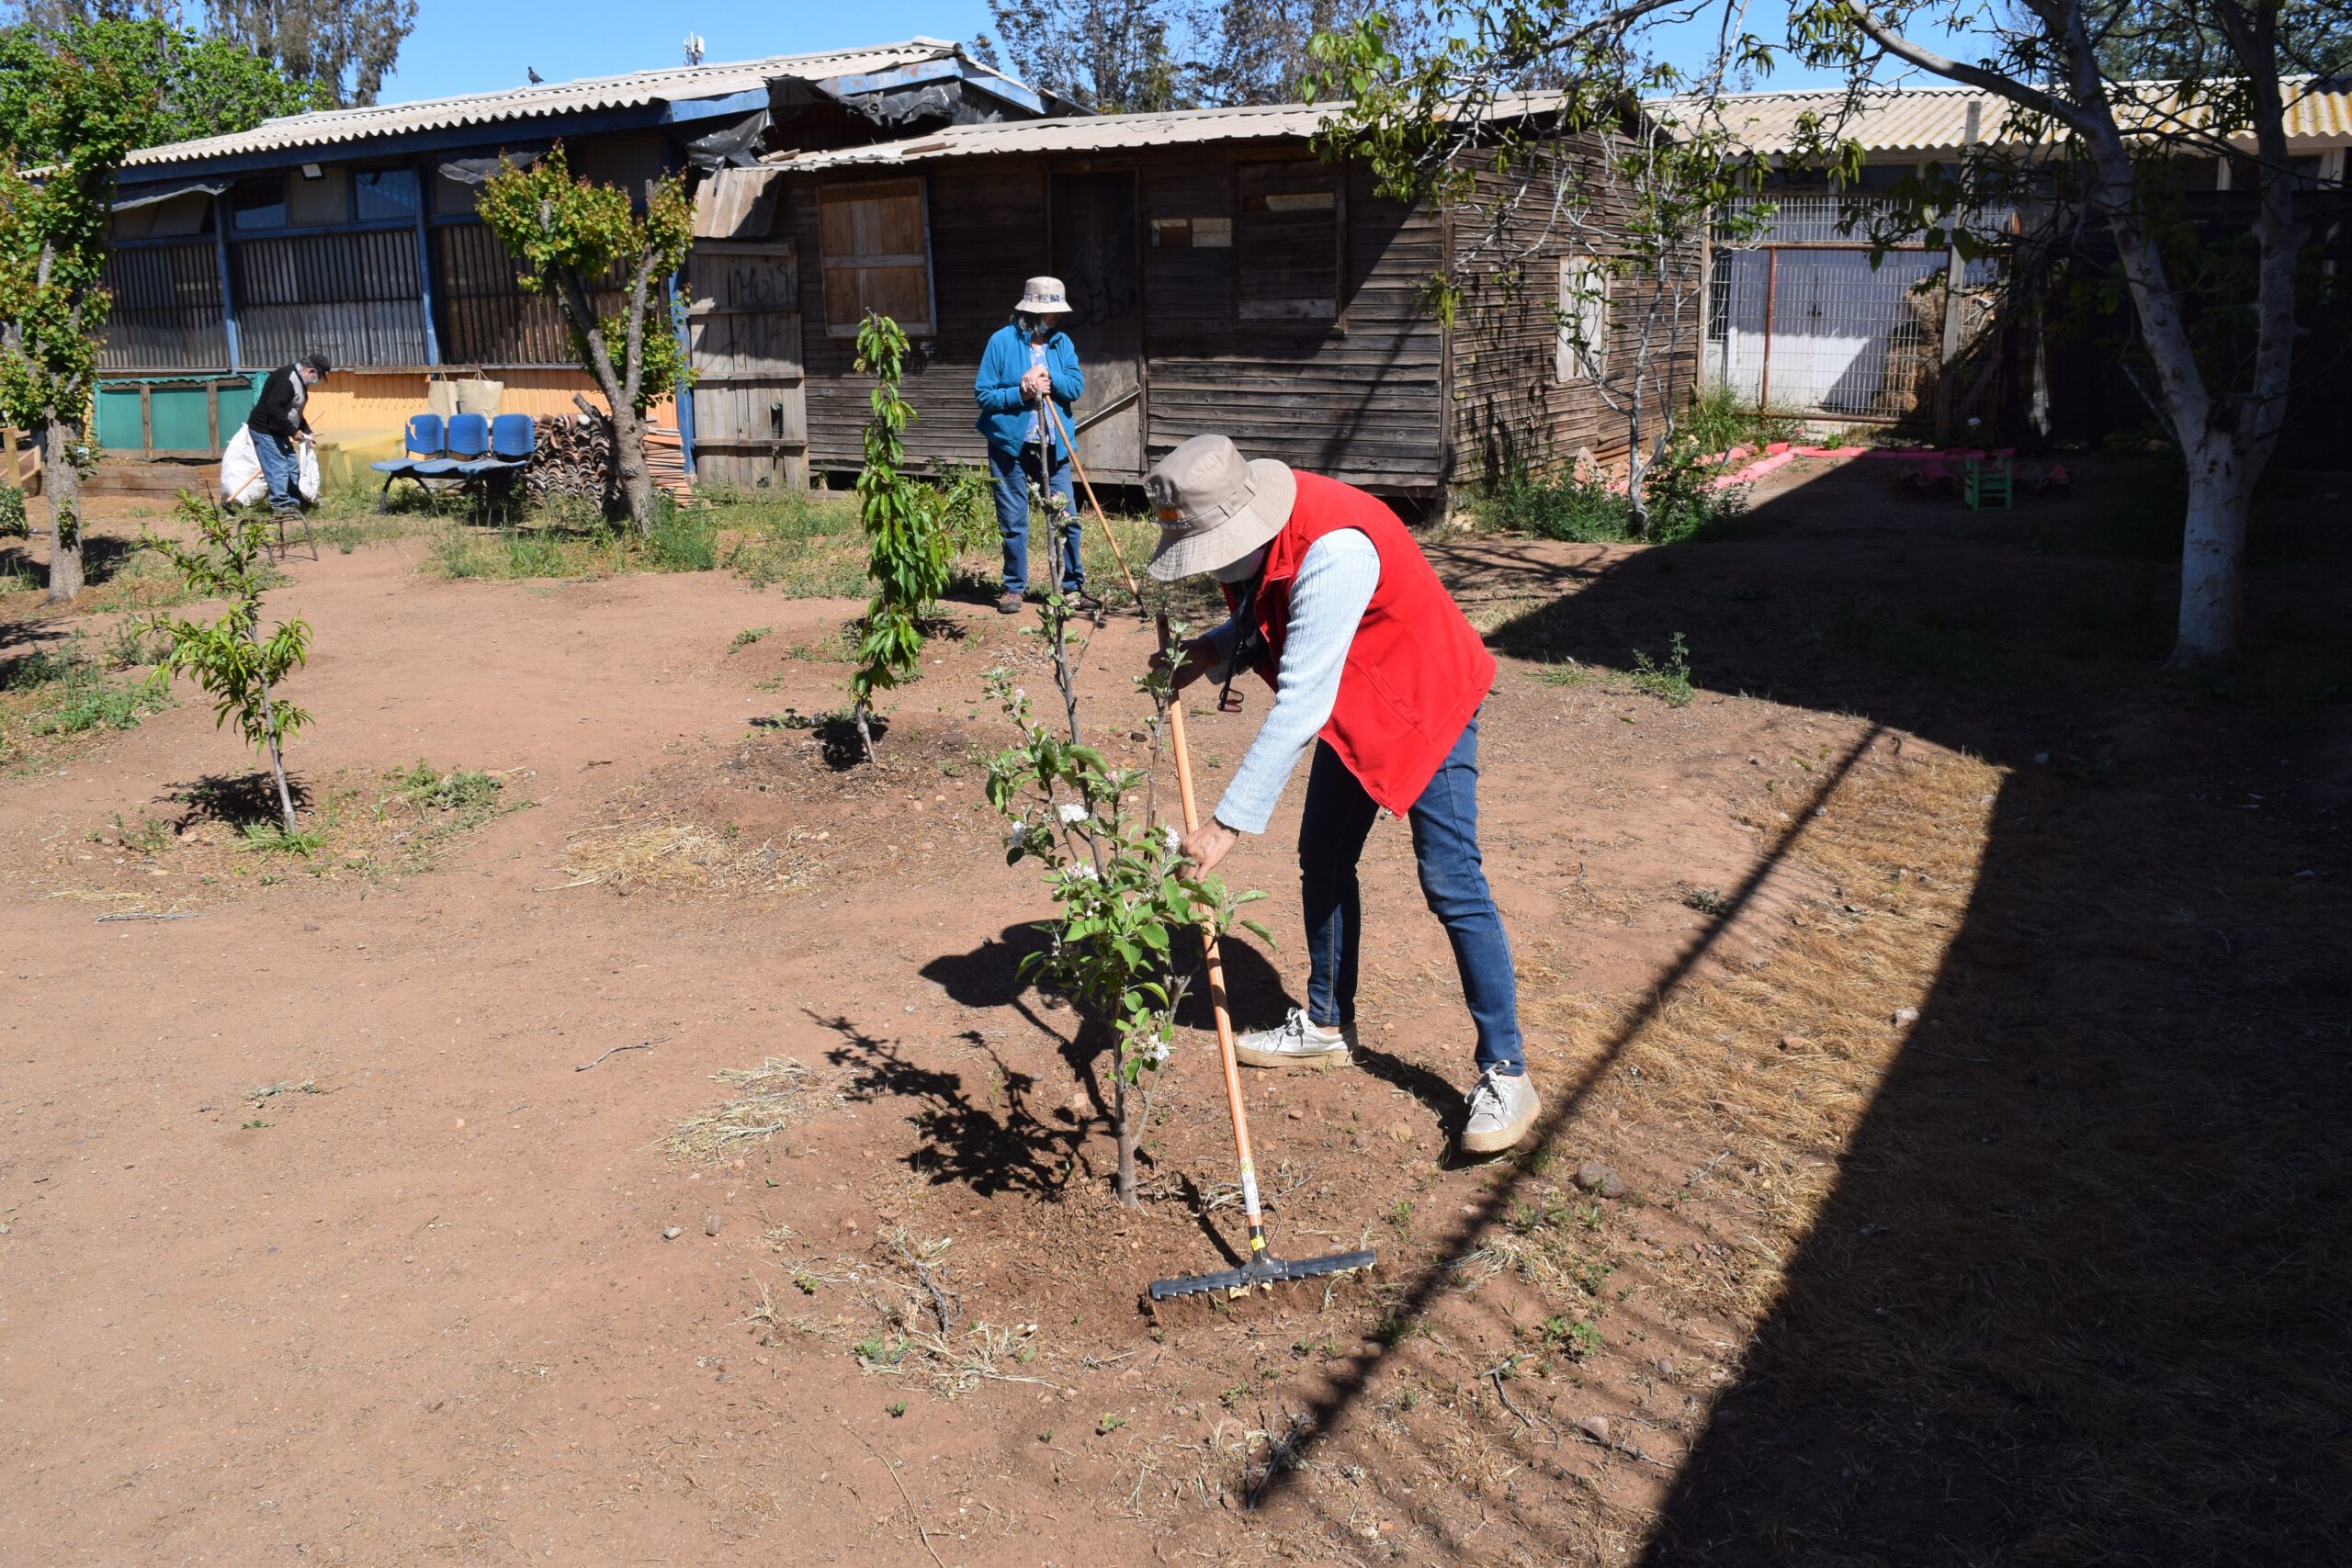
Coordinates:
(228, 299)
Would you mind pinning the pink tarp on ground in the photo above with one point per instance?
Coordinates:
(1934, 463)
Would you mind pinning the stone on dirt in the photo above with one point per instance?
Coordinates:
(1594, 1177)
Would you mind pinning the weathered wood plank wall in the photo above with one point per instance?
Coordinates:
(1512, 413)
(1358, 398)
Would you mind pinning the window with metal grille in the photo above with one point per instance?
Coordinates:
(873, 242)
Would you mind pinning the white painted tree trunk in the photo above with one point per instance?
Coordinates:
(2212, 541)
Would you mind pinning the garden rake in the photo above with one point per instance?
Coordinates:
(1069, 445)
(1263, 1268)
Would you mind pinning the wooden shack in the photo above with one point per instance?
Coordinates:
(1223, 278)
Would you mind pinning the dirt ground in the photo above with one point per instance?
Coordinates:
(1959, 1010)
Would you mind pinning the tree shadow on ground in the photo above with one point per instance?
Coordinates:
(2070, 1296)
(236, 800)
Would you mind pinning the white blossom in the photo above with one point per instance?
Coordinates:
(1175, 839)
(1154, 1051)
(1070, 812)
(1016, 835)
(1085, 873)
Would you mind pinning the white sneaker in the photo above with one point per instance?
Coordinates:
(1502, 1108)
(1297, 1041)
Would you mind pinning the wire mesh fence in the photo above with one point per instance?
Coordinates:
(1802, 317)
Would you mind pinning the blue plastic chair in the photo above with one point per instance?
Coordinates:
(424, 441)
(468, 439)
(513, 438)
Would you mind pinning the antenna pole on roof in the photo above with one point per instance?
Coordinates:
(693, 49)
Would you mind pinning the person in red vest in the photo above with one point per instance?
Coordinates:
(1375, 669)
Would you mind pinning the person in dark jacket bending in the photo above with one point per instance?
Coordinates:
(277, 422)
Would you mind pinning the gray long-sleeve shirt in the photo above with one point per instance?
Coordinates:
(1328, 599)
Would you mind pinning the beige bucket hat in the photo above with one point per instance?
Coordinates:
(1214, 507)
(1043, 297)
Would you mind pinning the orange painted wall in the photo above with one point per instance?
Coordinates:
(364, 401)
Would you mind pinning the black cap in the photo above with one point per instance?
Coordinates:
(317, 362)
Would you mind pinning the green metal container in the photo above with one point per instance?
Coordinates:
(118, 418)
(178, 420)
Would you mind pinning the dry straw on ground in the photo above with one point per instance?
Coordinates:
(767, 1099)
(677, 857)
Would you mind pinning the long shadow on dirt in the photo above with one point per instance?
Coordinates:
(2077, 1293)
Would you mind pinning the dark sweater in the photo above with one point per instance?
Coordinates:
(279, 411)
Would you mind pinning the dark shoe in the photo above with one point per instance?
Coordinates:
(1085, 603)
(1009, 604)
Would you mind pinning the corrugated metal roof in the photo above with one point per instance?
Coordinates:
(1108, 132)
(1098, 133)
(547, 100)
(1930, 118)
(1888, 119)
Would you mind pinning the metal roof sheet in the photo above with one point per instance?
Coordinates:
(546, 100)
(1108, 132)
(1098, 133)
(1931, 118)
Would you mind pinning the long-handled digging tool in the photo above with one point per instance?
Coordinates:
(1069, 445)
(1263, 1268)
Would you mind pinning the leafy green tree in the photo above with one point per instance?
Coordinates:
(1123, 946)
(73, 103)
(908, 546)
(341, 48)
(1113, 56)
(572, 239)
(72, 106)
(229, 658)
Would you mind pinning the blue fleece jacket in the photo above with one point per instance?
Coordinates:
(1005, 417)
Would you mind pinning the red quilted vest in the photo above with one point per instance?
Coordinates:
(1416, 672)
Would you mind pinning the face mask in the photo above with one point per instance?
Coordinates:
(1243, 569)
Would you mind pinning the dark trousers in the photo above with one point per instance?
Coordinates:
(1013, 475)
(1337, 820)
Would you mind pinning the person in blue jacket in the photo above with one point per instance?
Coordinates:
(1028, 361)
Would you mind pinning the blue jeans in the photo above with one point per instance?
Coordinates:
(280, 467)
(1331, 831)
(1013, 475)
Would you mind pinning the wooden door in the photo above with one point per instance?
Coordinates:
(1096, 254)
(744, 326)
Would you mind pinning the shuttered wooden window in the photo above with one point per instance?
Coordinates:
(1582, 351)
(875, 245)
(1289, 243)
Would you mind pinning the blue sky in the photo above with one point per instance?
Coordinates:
(475, 48)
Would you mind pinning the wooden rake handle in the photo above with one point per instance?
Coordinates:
(1069, 445)
(1215, 964)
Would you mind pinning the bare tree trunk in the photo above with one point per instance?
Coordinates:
(1123, 1126)
(63, 483)
(629, 458)
(277, 754)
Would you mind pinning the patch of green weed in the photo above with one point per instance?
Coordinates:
(1667, 681)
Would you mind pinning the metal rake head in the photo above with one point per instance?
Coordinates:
(1262, 1270)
